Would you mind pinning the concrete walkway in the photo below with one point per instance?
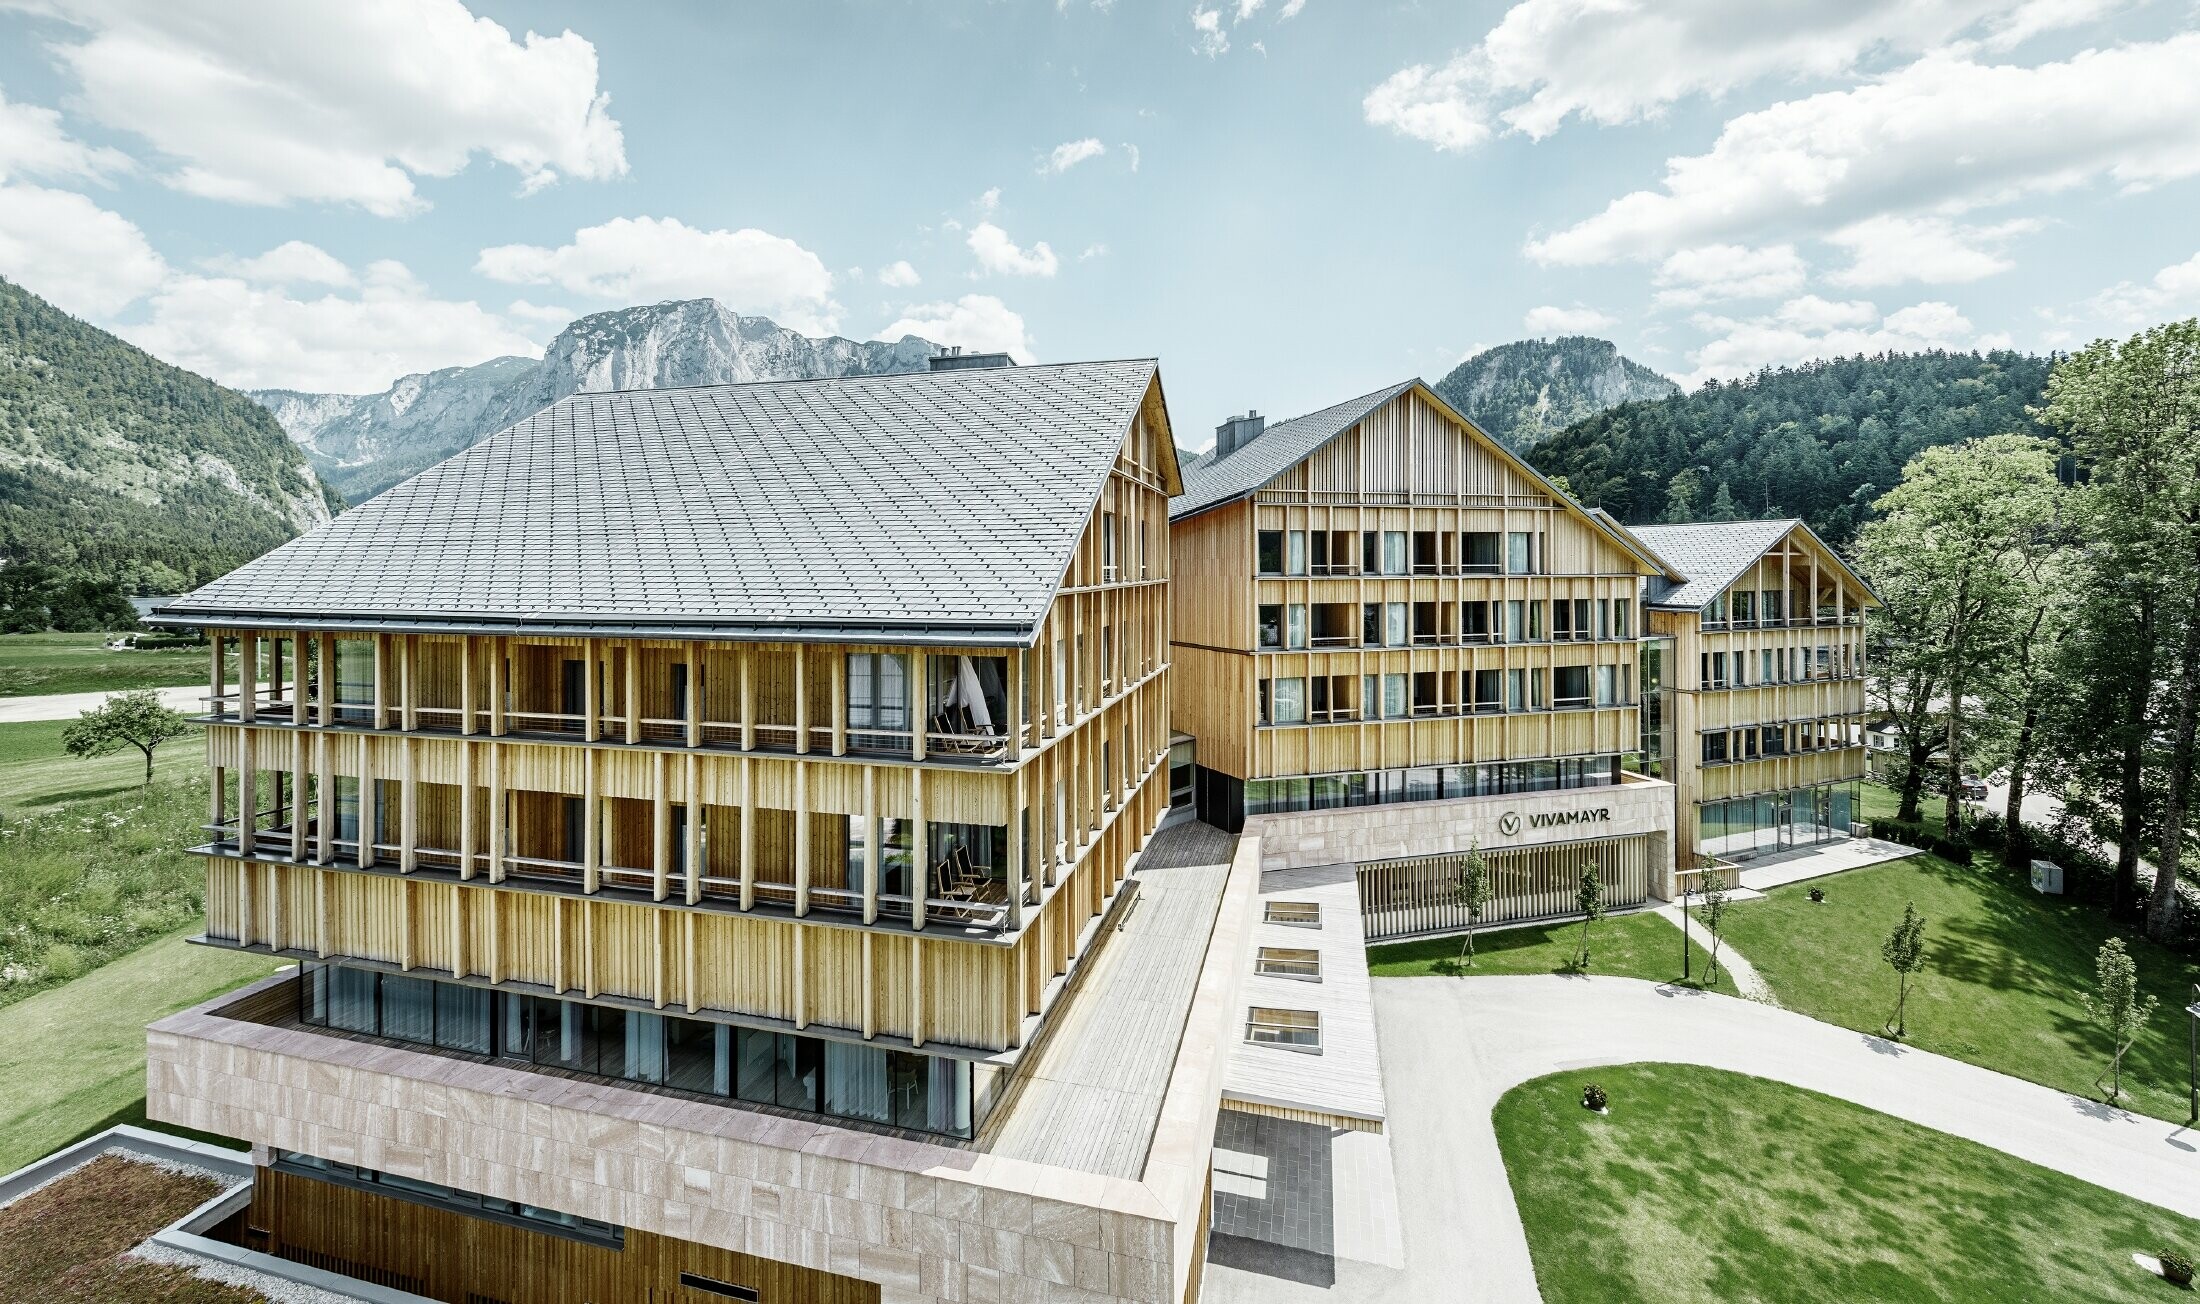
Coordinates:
(1454, 1046)
(1732, 963)
(68, 706)
(1816, 862)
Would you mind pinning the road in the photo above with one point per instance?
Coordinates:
(67, 706)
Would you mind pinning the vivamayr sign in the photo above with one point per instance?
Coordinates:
(1511, 822)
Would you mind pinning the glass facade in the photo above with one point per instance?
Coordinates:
(1743, 827)
(905, 1089)
(445, 1197)
(1427, 783)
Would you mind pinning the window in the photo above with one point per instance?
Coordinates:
(1714, 613)
(1480, 552)
(1293, 1029)
(1608, 682)
(1295, 628)
(1294, 561)
(1396, 629)
(1289, 962)
(1745, 606)
(1474, 622)
(1394, 553)
(1293, 914)
(1570, 687)
(1271, 625)
(1516, 690)
(1268, 552)
(1143, 570)
(1714, 748)
(1394, 696)
(1622, 617)
(1516, 621)
(1773, 604)
(1290, 701)
(1371, 625)
(878, 690)
(1488, 690)
(415, 1191)
(1519, 553)
(1768, 666)
(1110, 563)
(1714, 670)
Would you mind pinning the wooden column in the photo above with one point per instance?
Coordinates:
(326, 713)
(466, 809)
(408, 682)
(687, 960)
(871, 857)
(248, 792)
(801, 699)
(408, 807)
(298, 790)
(694, 701)
(839, 701)
(217, 798)
(217, 675)
(324, 748)
(801, 839)
(692, 853)
(748, 832)
(660, 828)
(591, 825)
(747, 677)
(801, 1002)
(920, 851)
(381, 673)
(365, 852)
(870, 997)
(467, 648)
(592, 696)
(248, 675)
(1015, 714)
(1016, 828)
(499, 671)
(920, 718)
(916, 991)
(499, 817)
(633, 691)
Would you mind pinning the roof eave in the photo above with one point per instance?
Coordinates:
(1017, 633)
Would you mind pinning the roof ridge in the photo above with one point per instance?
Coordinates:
(854, 375)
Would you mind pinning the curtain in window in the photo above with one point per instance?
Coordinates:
(855, 1082)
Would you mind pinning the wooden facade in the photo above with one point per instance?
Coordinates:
(448, 1255)
(1779, 693)
(1435, 494)
(711, 825)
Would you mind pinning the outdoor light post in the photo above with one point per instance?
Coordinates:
(1685, 889)
(2192, 1054)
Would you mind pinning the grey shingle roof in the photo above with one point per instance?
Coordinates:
(932, 507)
(1711, 554)
(1208, 483)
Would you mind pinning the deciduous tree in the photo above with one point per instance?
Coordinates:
(133, 719)
(1472, 891)
(1904, 952)
(2116, 1004)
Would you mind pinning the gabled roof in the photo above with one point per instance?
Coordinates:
(934, 507)
(1713, 554)
(1209, 482)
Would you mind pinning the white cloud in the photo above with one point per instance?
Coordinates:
(277, 101)
(644, 259)
(1291, 8)
(552, 315)
(1810, 328)
(1617, 61)
(999, 255)
(1891, 250)
(1130, 152)
(1944, 134)
(898, 275)
(975, 321)
(1552, 320)
(1208, 36)
(1092, 251)
(990, 201)
(70, 251)
(2172, 292)
(293, 262)
(1690, 278)
(261, 337)
(32, 144)
(1070, 153)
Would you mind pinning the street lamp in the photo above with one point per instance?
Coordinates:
(1687, 887)
(2192, 1054)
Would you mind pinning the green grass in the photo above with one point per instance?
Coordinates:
(85, 882)
(2004, 970)
(35, 774)
(1639, 945)
(1880, 803)
(33, 664)
(72, 1059)
(1706, 1185)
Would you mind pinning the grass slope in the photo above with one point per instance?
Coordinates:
(72, 1059)
(1639, 945)
(36, 775)
(1706, 1185)
(2003, 973)
(35, 664)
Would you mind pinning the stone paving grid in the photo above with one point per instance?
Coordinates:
(1273, 1182)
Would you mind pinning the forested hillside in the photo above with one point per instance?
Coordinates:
(1522, 393)
(115, 466)
(1820, 441)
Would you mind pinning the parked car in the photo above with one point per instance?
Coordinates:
(1972, 787)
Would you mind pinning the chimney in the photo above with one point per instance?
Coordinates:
(954, 359)
(1237, 432)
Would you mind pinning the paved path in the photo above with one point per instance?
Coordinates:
(1454, 1046)
(67, 706)
(1817, 862)
(1732, 963)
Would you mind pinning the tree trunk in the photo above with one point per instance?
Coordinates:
(1913, 781)
(2131, 766)
(2163, 902)
(2017, 845)
(148, 763)
(1951, 821)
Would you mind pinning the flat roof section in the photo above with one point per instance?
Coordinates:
(1090, 1098)
(1343, 1083)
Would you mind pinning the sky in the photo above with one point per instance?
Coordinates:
(1289, 202)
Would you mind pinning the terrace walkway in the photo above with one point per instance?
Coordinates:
(1471, 1040)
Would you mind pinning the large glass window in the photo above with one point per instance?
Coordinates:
(1396, 626)
(354, 677)
(1268, 552)
(1394, 553)
(1480, 552)
(1295, 553)
(1295, 625)
(1289, 701)
(878, 691)
(1270, 624)
(1519, 553)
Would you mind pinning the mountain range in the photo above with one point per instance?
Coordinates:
(364, 443)
(1524, 392)
(118, 465)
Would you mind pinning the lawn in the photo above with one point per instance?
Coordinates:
(72, 1059)
(2004, 970)
(1707, 1185)
(1880, 802)
(33, 664)
(1638, 945)
(36, 774)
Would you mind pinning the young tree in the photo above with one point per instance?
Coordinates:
(1712, 893)
(2115, 1004)
(134, 719)
(1952, 543)
(1904, 952)
(2132, 409)
(1589, 900)
(1472, 891)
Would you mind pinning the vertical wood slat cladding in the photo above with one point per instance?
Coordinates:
(456, 1257)
(1402, 898)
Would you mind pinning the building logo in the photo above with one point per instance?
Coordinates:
(1509, 823)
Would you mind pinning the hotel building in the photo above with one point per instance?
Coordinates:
(1758, 658)
(708, 822)
(1395, 640)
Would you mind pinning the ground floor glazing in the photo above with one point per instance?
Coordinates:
(1744, 827)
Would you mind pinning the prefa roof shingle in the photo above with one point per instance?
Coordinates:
(1711, 554)
(931, 506)
(1208, 482)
